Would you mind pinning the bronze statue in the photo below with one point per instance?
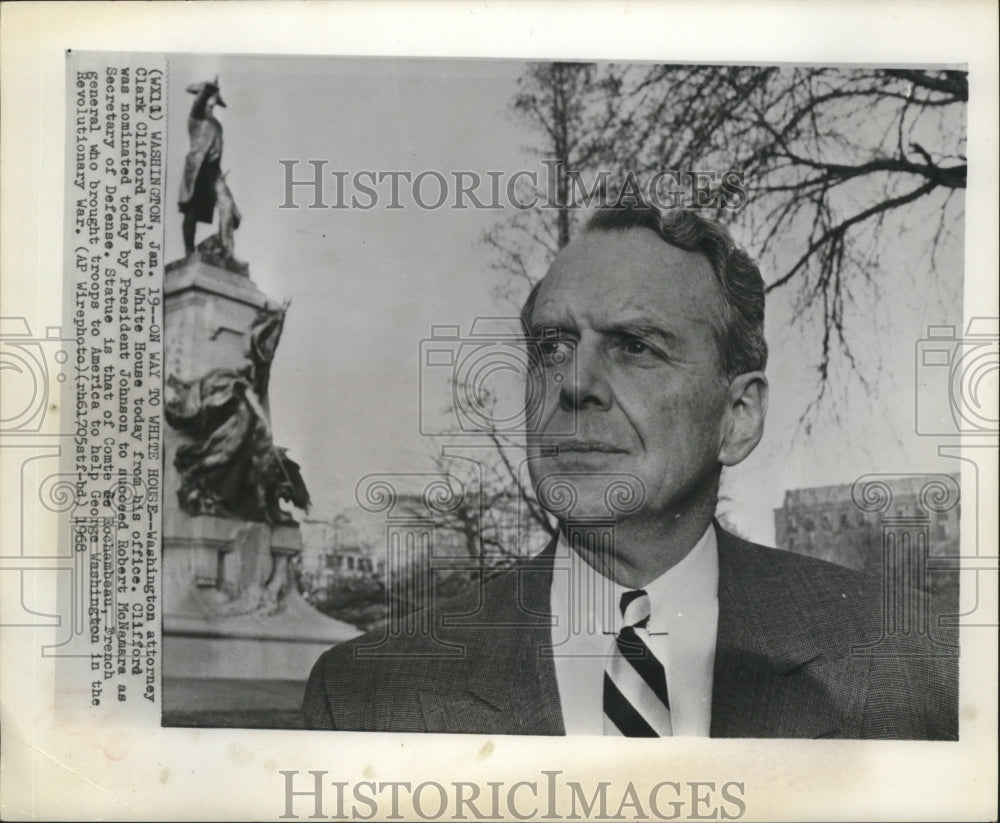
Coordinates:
(231, 467)
(204, 187)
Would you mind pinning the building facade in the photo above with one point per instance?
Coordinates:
(873, 522)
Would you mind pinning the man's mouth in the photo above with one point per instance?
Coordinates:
(588, 447)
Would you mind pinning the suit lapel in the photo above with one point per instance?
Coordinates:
(770, 676)
(508, 684)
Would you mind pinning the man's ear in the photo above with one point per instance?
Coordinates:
(743, 423)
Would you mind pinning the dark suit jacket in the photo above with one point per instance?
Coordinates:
(804, 649)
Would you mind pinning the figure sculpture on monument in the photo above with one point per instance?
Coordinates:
(231, 466)
(203, 186)
(231, 606)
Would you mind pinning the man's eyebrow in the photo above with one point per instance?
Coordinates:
(640, 328)
(549, 328)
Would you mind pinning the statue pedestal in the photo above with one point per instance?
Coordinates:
(208, 313)
(230, 606)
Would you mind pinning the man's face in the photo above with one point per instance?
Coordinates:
(634, 360)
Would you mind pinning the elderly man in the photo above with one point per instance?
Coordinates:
(646, 618)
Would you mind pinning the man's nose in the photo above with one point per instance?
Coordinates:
(585, 384)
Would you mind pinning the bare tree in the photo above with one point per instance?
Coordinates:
(496, 514)
(837, 165)
(843, 161)
(572, 107)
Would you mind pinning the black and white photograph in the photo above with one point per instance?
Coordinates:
(532, 379)
(414, 417)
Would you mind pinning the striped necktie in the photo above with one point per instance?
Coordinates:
(635, 683)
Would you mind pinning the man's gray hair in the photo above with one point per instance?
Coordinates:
(739, 334)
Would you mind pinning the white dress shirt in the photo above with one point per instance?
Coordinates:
(683, 627)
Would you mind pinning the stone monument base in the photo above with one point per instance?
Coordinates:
(282, 646)
(232, 610)
(239, 641)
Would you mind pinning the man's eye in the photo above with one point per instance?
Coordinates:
(635, 347)
(552, 351)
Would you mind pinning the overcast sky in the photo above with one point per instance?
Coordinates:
(367, 285)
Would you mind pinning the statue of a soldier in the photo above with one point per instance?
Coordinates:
(203, 187)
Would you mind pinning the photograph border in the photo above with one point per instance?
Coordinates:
(55, 769)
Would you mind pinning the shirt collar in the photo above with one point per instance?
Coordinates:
(682, 592)
(687, 588)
